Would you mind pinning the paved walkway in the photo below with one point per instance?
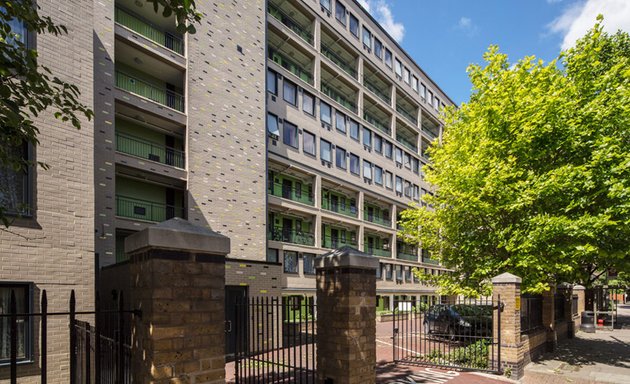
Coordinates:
(601, 357)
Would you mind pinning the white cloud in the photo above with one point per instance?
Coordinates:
(382, 12)
(466, 24)
(580, 17)
(553, 1)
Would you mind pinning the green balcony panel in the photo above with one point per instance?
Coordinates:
(143, 88)
(378, 252)
(291, 23)
(338, 204)
(338, 242)
(339, 61)
(290, 192)
(405, 253)
(377, 219)
(151, 32)
(289, 235)
(139, 209)
(136, 146)
(285, 62)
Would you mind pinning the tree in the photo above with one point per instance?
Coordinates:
(533, 173)
(27, 89)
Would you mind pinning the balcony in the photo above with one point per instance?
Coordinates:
(407, 137)
(430, 127)
(338, 203)
(378, 251)
(406, 107)
(376, 116)
(376, 122)
(339, 97)
(372, 87)
(405, 252)
(145, 28)
(424, 147)
(282, 51)
(377, 219)
(290, 192)
(407, 115)
(136, 146)
(333, 242)
(345, 65)
(138, 209)
(301, 28)
(292, 236)
(160, 95)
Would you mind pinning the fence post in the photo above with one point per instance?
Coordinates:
(13, 320)
(73, 339)
(506, 292)
(177, 276)
(44, 339)
(346, 317)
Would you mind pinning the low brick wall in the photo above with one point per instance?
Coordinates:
(534, 345)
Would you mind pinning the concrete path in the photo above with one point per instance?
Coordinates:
(601, 357)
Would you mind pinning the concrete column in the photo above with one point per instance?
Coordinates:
(506, 290)
(178, 281)
(346, 319)
(549, 318)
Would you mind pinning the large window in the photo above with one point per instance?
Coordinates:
(325, 150)
(406, 75)
(399, 155)
(289, 93)
(23, 301)
(308, 145)
(367, 38)
(367, 170)
(388, 149)
(340, 12)
(423, 91)
(340, 122)
(272, 255)
(290, 134)
(272, 82)
(367, 137)
(399, 185)
(340, 158)
(388, 58)
(325, 4)
(309, 263)
(414, 83)
(388, 179)
(398, 68)
(354, 164)
(354, 130)
(415, 165)
(308, 103)
(272, 125)
(378, 143)
(325, 113)
(378, 175)
(15, 186)
(290, 262)
(354, 25)
(378, 48)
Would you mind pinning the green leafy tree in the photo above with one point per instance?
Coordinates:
(28, 89)
(533, 173)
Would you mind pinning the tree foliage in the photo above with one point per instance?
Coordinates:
(28, 89)
(533, 173)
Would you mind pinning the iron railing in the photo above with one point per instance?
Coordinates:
(345, 208)
(376, 122)
(152, 92)
(377, 91)
(146, 29)
(291, 193)
(339, 98)
(339, 61)
(288, 235)
(338, 242)
(406, 253)
(430, 132)
(289, 22)
(375, 251)
(136, 146)
(531, 313)
(139, 209)
(377, 219)
(407, 144)
(408, 115)
(285, 62)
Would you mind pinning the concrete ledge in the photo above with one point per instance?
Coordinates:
(178, 234)
(506, 278)
(346, 257)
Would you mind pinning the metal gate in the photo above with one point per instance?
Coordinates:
(458, 335)
(275, 339)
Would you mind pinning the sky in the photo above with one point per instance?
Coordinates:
(445, 36)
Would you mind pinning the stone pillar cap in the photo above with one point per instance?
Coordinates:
(578, 287)
(179, 234)
(506, 278)
(346, 257)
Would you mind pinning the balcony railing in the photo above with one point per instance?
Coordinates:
(377, 91)
(376, 122)
(428, 260)
(344, 209)
(341, 63)
(404, 253)
(290, 236)
(407, 143)
(146, 210)
(144, 28)
(145, 149)
(142, 88)
(294, 194)
(378, 252)
(407, 115)
(290, 23)
(339, 98)
(285, 62)
(376, 219)
(430, 132)
(337, 242)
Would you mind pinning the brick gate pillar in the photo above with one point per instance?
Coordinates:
(346, 317)
(508, 288)
(549, 318)
(178, 281)
(579, 291)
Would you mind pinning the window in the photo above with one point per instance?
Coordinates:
(379, 276)
(272, 126)
(325, 113)
(378, 48)
(290, 134)
(308, 143)
(407, 160)
(16, 186)
(354, 25)
(416, 192)
(378, 144)
(388, 179)
(354, 164)
(398, 155)
(290, 262)
(340, 13)
(354, 130)
(430, 97)
(325, 150)
(378, 175)
(325, 4)
(340, 122)
(388, 58)
(289, 93)
(398, 68)
(367, 38)
(408, 274)
(309, 263)
(399, 184)
(399, 273)
(308, 103)
(23, 301)
(367, 137)
(340, 158)
(388, 149)
(272, 255)
(408, 189)
(415, 165)
(423, 91)
(388, 272)
(272, 82)
(436, 103)
(367, 170)
(414, 83)
(406, 75)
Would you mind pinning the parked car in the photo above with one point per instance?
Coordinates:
(459, 320)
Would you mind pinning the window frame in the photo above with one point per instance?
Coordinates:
(378, 48)
(352, 18)
(358, 164)
(275, 80)
(322, 106)
(285, 84)
(338, 7)
(366, 32)
(286, 253)
(311, 269)
(322, 144)
(388, 58)
(305, 134)
(367, 165)
(344, 154)
(338, 116)
(285, 125)
(274, 135)
(29, 336)
(378, 180)
(312, 97)
(358, 130)
(25, 208)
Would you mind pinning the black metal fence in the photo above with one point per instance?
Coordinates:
(275, 340)
(531, 313)
(458, 335)
(574, 305)
(99, 354)
(559, 300)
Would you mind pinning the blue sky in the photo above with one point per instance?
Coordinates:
(444, 36)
